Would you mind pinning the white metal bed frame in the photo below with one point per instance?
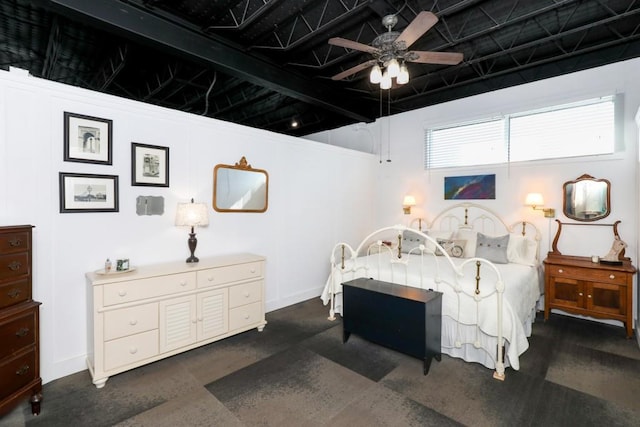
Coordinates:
(468, 216)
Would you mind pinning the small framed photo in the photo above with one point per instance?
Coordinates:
(149, 165)
(88, 193)
(87, 139)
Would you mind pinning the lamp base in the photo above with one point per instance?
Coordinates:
(192, 242)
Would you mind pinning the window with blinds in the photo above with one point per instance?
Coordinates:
(579, 129)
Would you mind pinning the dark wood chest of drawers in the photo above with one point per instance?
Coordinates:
(576, 285)
(19, 322)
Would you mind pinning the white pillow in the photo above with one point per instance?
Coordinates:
(437, 234)
(470, 236)
(522, 250)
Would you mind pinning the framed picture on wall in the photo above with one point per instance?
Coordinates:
(88, 193)
(87, 139)
(149, 165)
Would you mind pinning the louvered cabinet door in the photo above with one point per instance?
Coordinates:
(212, 314)
(177, 323)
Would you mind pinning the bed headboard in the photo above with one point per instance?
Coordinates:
(471, 217)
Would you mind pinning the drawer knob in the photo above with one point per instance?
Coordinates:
(133, 350)
(560, 270)
(210, 278)
(14, 293)
(588, 296)
(22, 332)
(580, 294)
(133, 322)
(22, 370)
(612, 276)
(247, 294)
(14, 266)
(252, 270)
(183, 283)
(122, 293)
(247, 316)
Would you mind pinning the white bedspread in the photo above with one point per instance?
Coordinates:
(521, 282)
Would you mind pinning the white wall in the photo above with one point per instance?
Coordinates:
(405, 173)
(318, 194)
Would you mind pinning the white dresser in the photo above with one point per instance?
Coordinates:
(160, 310)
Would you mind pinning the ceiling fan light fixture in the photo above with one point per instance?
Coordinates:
(403, 75)
(393, 67)
(376, 74)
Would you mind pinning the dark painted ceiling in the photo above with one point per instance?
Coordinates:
(262, 63)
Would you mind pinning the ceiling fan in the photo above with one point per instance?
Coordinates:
(389, 51)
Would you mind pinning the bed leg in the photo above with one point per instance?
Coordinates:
(498, 376)
(332, 315)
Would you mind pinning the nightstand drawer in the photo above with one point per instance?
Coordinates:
(129, 321)
(590, 274)
(246, 315)
(232, 273)
(130, 349)
(17, 372)
(134, 290)
(246, 293)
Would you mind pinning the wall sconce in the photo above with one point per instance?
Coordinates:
(536, 201)
(192, 215)
(407, 203)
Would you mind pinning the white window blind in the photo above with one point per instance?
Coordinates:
(466, 145)
(580, 129)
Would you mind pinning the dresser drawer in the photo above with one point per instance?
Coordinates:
(17, 372)
(594, 275)
(245, 315)
(18, 333)
(246, 293)
(14, 265)
(134, 290)
(232, 273)
(129, 321)
(14, 242)
(131, 349)
(14, 292)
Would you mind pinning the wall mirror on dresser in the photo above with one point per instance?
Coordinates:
(593, 286)
(240, 188)
(586, 198)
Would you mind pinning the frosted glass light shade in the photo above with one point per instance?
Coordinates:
(409, 201)
(403, 75)
(534, 199)
(385, 82)
(393, 67)
(376, 74)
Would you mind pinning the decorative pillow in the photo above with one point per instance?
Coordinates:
(454, 247)
(522, 250)
(470, 237)
(410, 242)
(436, 234)
(493, 249)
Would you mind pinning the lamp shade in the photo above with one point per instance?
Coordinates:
(192, 214)
(393, 67)
(376, 74)
(534, 199)
(409, 201)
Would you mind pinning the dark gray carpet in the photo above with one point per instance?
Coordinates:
(297, 372)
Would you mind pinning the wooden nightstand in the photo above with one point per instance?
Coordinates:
(576, 285)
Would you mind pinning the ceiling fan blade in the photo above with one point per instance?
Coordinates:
(445, 58)
(420, 25)
(350, 44)
(353, 70)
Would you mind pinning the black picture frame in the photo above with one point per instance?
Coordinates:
(81, 192)
(87, 139)
(149, 165)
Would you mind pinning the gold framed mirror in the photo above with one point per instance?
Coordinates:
(240, 188)
(586, 198)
